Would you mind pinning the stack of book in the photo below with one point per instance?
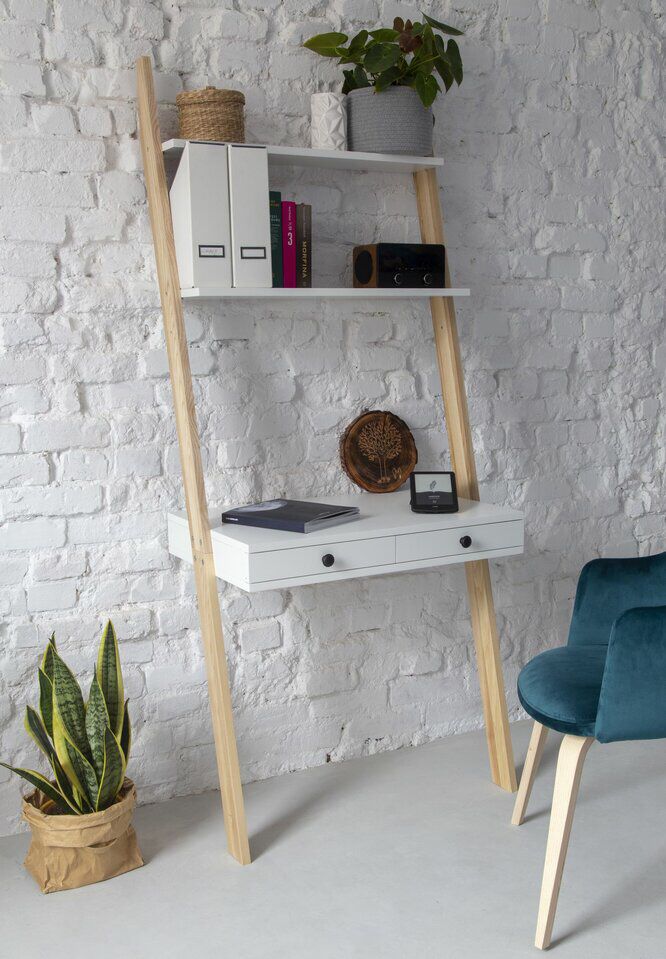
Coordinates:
(291, 242)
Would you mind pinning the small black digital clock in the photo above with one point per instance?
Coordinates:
(433, 492)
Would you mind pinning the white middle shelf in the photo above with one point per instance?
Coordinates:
(386, 538)
(332, 292)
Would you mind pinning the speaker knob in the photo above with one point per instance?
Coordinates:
(397, 279)
(328, 559)
(427, 279)
(465, 542)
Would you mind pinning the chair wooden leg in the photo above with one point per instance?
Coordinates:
(530, 769)
(567, 780)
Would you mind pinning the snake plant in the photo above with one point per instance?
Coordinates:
(87, 744)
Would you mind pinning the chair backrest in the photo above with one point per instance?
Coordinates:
(609, 587)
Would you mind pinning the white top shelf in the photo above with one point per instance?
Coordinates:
(334, 293)
(328, 159)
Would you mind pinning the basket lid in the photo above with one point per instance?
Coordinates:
(209, 95)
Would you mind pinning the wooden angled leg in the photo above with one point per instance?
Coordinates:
(567, 780)
(190, 459)
(532, 760)
(479, 587)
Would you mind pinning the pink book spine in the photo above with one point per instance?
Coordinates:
(289, 243)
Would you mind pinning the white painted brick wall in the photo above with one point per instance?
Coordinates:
(554, 205)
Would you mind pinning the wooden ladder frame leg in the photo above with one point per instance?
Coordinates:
(190, 459)
(479, 587)
(567, 780)
(530, 769)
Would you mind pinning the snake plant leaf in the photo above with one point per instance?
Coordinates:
(126, 734)
(36, 729)
(85, 773)
(444, 27)
(110, 677)
(70, 793)
(46, 701)
(68, 704)
(40, 782)
(47, 658)
(71, 768)
(97, 719)
(114, 771)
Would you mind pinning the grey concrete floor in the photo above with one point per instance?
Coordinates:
(406, 854)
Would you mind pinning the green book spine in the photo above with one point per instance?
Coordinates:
(275, 198)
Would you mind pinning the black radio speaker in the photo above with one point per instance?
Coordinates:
(383, 265)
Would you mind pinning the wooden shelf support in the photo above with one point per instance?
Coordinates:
(479, 588)
(190, 459)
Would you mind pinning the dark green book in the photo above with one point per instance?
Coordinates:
(275, 202)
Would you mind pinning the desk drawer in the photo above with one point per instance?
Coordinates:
(308, 560)
(446, 542)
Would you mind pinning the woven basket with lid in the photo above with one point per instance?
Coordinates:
(211, 114)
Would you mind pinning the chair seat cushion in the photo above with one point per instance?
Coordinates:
(560, 688)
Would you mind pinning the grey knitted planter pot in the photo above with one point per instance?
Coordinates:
(394, 121)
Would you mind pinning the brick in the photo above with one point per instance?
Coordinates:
(48, 596)
(54, 434)
(33, 534)
(255, 637)
(10, 437)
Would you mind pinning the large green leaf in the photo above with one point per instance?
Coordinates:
(68, 703)
(126, 734)
(381, 56)
(427, 88)
(40, 782)
(97, 719)
(446, 73)
(326, 44)
(454, 58)
(358, 42)
(387, 78)
(444, 27)
(46, 701)
(114, 771)
(110, 677)
(384, 35)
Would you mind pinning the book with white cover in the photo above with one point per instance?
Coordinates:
(250, 217)
(200, 214)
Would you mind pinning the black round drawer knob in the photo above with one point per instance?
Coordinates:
(465, 542)
(328, 559)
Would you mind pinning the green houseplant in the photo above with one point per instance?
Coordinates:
(407, 64)
(86, 799)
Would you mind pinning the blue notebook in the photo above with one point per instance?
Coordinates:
(293, 516)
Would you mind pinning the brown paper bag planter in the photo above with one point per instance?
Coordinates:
(71, 851)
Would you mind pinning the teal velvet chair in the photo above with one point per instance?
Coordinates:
(608, 683)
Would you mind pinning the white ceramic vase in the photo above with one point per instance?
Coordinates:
(329, 121)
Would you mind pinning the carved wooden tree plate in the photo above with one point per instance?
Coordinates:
(378, 451)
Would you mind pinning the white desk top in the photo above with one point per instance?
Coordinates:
(382, 514)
